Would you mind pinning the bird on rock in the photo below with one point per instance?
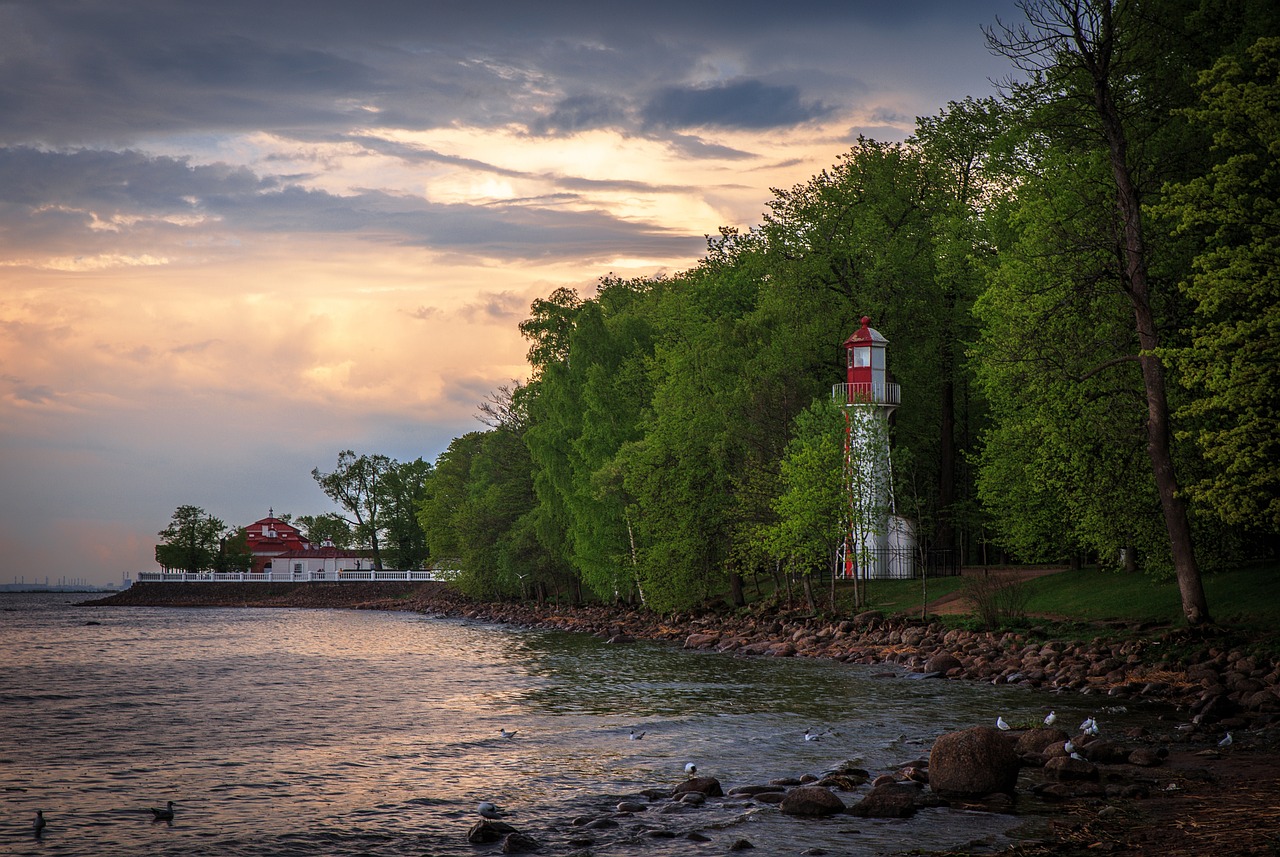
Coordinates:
(165, 814)
(489, 810)
(1001, 725)
(690, 768)
(635, 736)
(1225, 742)
(1050, 718)
(505, 734)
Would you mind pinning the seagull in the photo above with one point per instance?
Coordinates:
(1050, 718)
(165, 814)
(39, 823)
(1225, 742)
(690, 768)
(505, 734)
(489, 810)
(810, 735)
(1001, 725)
(635, 736)
(1077, 757)
(1068, 746)
(1089, 726)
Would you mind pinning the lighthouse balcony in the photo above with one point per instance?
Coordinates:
(867, 394)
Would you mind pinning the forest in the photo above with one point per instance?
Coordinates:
(1077, 277)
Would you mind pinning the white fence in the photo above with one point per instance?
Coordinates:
(341, 574)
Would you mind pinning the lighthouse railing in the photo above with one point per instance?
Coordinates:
(885, 393)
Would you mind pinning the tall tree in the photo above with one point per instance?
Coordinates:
(191, 541)
(1082, 56)
(1233, 210)
(356, 485)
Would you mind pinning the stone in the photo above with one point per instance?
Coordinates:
(1145, 757)
(741, 845)
(891, 800)
(701, 641)
(706, 786)
(811, 801)
(1066, 768)
(973, 762)
(519, 843)
(1037, 740)
(488, 831)
(630, 806)
(752, 791)
(942, 662)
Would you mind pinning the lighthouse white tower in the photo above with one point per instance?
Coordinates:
(879, 543)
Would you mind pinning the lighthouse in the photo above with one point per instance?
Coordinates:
(879, 544)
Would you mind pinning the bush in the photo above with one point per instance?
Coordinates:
(997, 599)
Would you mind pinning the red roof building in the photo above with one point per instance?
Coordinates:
(270, 537)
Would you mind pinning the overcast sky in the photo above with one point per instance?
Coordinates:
(237, 237)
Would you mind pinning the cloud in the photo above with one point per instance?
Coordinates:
(748, 104)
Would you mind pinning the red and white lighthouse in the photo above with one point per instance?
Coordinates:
(880, 543)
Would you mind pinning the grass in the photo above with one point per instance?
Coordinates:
(1247, 597)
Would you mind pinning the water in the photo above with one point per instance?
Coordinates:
(302, 732)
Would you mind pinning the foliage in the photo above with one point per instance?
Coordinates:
(193, 541)
(329, 527)
(1231, 363)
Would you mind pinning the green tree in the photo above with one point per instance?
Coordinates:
(356, 485)
(327, 526)
(191, 541)
(404, 487)
(1231, 365)
(233, 552)
(814, 506)
(1082, 57)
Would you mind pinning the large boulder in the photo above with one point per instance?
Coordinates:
(973, 762)
(812, 801)
(942, 663)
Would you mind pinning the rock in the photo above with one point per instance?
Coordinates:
(488, 831)
(811, 801)
(752, 791)
(1145, 757)
(1066, 768)
(973, 762)
(771, 797)
(1038, 739)
(631, 806)
(701, 641)
(707, 786)
(618, 639)
(693, 798)
(942, 662)
(887, 801)
(519, 843)
(740, 845)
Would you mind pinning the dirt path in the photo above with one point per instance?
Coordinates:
(955, 602)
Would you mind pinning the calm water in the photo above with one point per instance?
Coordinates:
(292, 732)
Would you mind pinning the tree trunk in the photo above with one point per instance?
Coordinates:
(735, 590)
(1133, 250)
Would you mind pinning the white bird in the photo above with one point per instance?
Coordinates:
(505, 734)
(39, 822)
(489, 810)
(1225, 742)
(1089, 726)
(165, 814)
(690, 768)
(635, 736)
(1077, 757)
(810, 735)
(1050, 718)
(1068, 746)
(1001, 725)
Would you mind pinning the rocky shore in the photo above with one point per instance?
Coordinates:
(1177, 792)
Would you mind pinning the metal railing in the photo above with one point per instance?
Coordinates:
(886, 393)
(342, 574)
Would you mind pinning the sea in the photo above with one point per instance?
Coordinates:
(280, 732)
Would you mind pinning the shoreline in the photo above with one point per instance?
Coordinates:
(1209, 681)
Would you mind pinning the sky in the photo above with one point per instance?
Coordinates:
(239, 237)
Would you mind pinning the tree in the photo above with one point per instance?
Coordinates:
(404, 487)
(1231, 363)
(233, 552)
(191, 541)
(355, 484)
(1082, 56)
(327, 526)
(813, 509)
